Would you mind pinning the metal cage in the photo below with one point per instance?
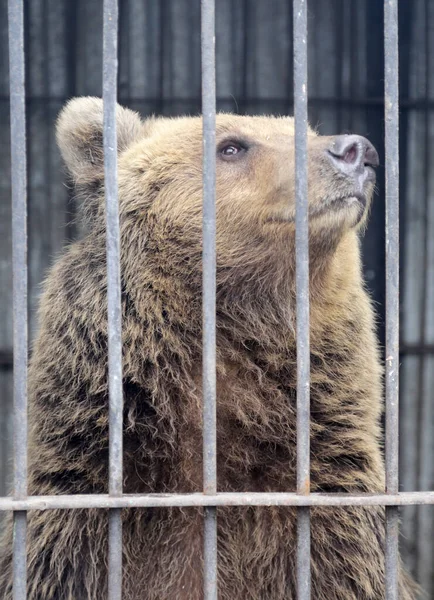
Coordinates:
(210, 498)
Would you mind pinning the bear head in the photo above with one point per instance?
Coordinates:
(160, 166)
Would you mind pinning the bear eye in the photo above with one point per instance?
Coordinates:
(232, 149)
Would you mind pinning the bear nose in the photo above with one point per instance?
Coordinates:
(351, 154)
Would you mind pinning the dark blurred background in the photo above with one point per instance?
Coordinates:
(160, 73)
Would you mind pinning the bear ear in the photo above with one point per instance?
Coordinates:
(79, 135)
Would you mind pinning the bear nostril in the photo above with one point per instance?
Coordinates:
(351, 154)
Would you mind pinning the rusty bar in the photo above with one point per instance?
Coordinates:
(219, 499)
(302, 293)
(391, 114)
(110, 61)
(209, 294)
(19, 267)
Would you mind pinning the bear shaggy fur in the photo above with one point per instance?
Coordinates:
(160, 196)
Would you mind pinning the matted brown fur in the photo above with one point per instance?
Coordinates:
(160, 194)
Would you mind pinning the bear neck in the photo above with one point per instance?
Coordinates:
(256, 298)
(259, 302)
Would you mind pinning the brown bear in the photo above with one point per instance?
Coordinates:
(160, 196)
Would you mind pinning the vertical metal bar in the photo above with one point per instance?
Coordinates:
(19, 265)
(424, 397)
(209, 294)
(302, 292)
(391, 103)
(110, 60)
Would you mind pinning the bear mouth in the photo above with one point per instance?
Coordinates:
(339, 203)
(334, 205)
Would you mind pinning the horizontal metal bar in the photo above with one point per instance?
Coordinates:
(219, 499)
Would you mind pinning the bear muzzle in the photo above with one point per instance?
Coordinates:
(354, 157)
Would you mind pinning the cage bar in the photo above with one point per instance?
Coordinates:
(110, 60)
(302, 293)
(115, 501)
(209, 294)
(19, 266)
(391, 108)
(220, 499)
